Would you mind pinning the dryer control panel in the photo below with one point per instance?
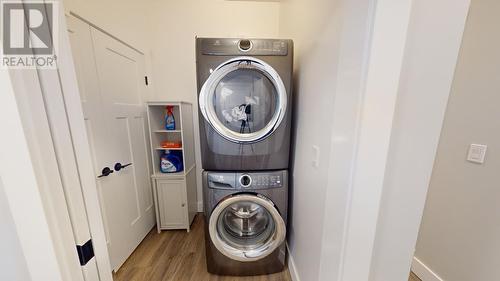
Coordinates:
(246, 181)
(233, 46)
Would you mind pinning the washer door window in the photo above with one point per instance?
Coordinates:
(246, 227)
(244, 100)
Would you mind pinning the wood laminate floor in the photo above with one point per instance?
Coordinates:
(177, 256)
(180, 256)
(414, 277)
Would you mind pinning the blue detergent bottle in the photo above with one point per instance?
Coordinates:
(169, 118)
(171, 161)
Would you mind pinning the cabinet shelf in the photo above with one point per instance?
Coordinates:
(163, 148)
(167, 131)
(180, 174)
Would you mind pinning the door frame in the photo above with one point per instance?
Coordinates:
(48, 103)
(32, 180)
(375, 195)
(58, 91)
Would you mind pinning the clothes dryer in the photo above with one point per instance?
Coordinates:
(245, 102)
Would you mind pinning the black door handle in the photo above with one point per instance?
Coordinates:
(119, 166)
(105, 172)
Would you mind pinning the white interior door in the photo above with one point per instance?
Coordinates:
(129, 199)
(111, 81)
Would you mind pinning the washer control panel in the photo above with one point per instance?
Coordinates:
(246, 181)
(260, 180)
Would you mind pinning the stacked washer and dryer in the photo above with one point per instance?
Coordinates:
(245, 97)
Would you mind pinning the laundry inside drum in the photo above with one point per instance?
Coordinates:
(245, 100)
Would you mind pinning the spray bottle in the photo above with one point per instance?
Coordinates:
(169, 118)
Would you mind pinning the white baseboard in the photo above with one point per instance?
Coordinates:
(424, 272)
(291, 266)
(200, 207)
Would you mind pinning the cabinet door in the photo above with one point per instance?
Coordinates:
(172, 203)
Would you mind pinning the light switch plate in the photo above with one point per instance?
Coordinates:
(477, 153)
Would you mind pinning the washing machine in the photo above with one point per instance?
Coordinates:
(245, 101)
(245, 222)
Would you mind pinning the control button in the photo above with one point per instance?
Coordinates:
(245, 180)
(245, 45)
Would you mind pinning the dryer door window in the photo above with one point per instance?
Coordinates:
(246, 227)
(244, 100)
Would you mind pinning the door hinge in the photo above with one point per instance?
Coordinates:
(146, 80)
(85, 252)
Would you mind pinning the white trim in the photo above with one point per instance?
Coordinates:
(90, 271)
(31, 182)
(76, 15)
(355, 39)
(72, 108)
(431, 54)
(200, 206)
(386, 54)
(423, 271)
(292, 269)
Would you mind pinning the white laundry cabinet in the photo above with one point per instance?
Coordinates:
(174, 193)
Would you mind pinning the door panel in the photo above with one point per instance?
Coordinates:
(111, 80)
(246, 227)
(82, 50)
(244, 100)
(121, 81)
(140, 156)
(91, 135)
(119, 67)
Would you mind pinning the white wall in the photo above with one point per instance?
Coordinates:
(330, 38)
(12, 263)
(174, 25)
(165, 32)
(459, 237)
(314, 27)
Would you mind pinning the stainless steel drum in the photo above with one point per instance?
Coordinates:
(246, 227)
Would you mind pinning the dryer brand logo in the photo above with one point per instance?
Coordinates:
(29, 34)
